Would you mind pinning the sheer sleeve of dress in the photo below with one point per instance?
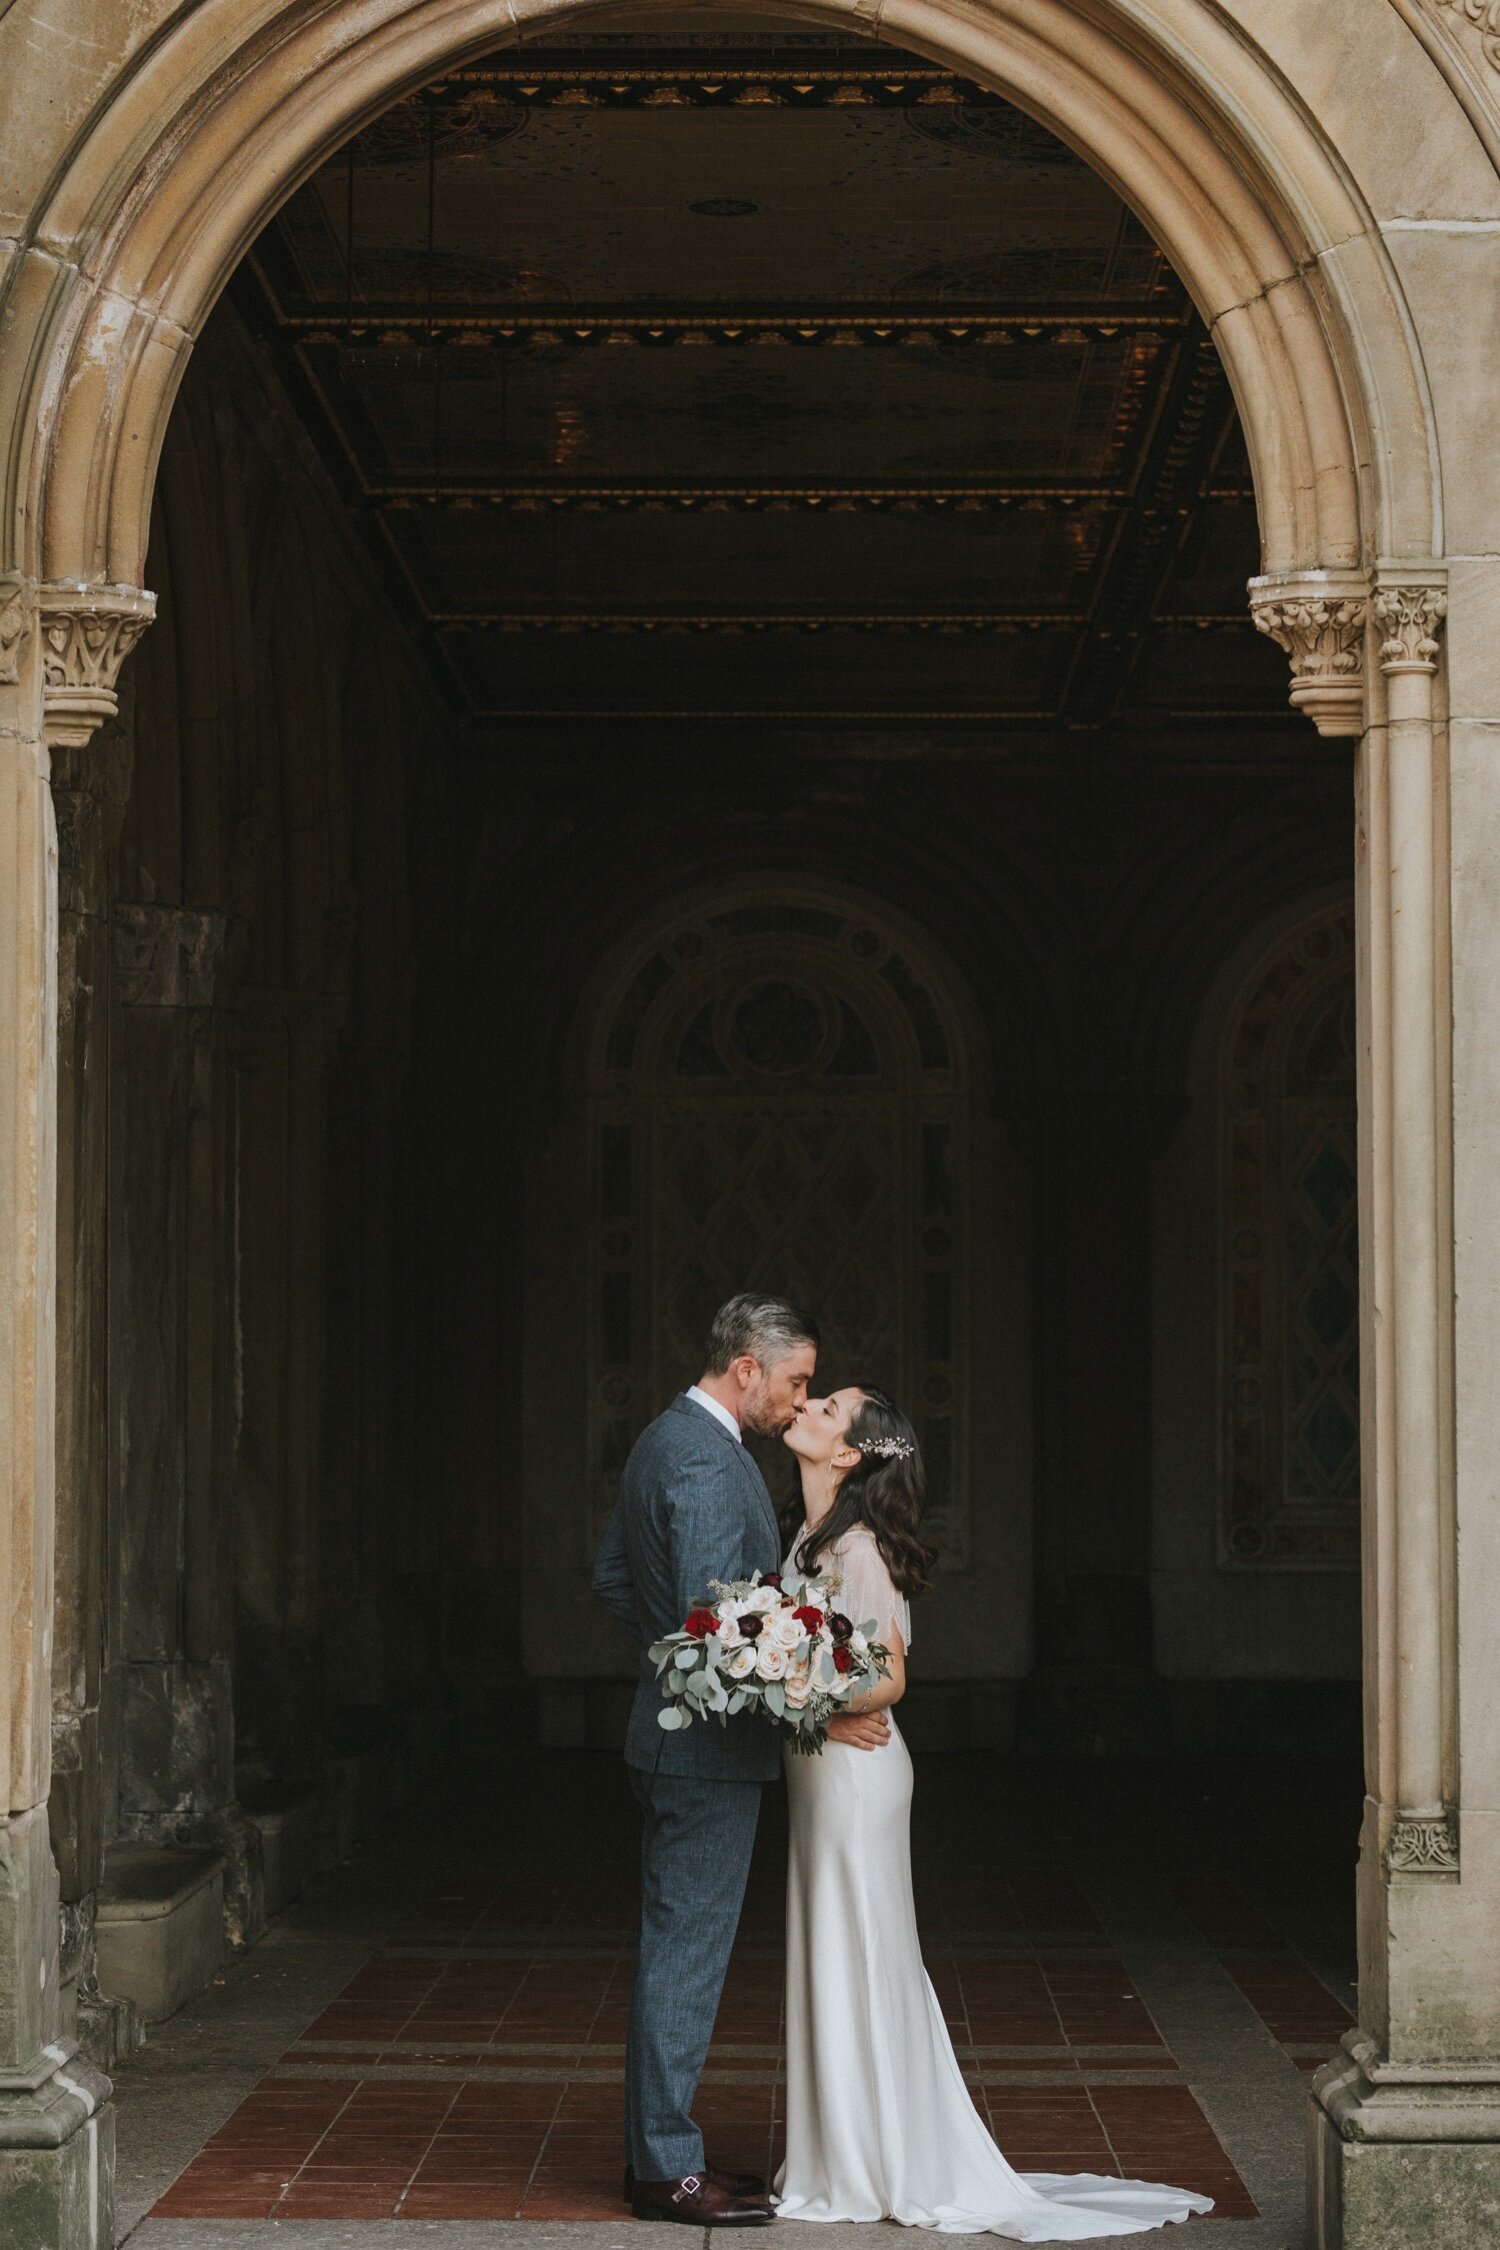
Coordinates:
(868, 1587)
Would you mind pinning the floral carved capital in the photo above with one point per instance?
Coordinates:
(1319, 619)
(1410, 618)
(87, 633)
(1423, 1844)
(15, 623)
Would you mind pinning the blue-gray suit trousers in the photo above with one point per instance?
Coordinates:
(693, 1508)
(695, 1860)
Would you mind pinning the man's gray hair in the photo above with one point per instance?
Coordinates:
(768, 1328)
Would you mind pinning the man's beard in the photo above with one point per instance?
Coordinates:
(762, 1422)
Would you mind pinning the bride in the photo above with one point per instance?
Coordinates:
(879, 2121)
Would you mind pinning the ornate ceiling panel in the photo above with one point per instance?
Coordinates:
(772, 374)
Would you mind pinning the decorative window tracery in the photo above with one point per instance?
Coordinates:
(1290, 1257)
(778, 1095)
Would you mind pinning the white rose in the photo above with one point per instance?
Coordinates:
(798, 1689)
(729, 1628)
(783, 1630)
(740, 1661)
(858, 1645)
(771, 1662)
(843, 1683)
(758, 1600)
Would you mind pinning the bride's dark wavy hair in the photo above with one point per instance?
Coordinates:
(887, 1492)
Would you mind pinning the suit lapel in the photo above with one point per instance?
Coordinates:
(763, 1496)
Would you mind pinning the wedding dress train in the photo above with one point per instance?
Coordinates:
(879, 2121)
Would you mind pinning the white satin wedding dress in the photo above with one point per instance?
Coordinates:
(879, 2121)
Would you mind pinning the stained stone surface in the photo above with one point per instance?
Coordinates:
(1389, 2198)
(60, 2198)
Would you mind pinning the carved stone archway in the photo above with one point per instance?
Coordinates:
(1329, 259)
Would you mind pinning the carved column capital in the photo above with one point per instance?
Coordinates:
(166, 956)
(1318, 617)
(87, 633)
(1423, 1844)
(1409, 614)
(15, 623)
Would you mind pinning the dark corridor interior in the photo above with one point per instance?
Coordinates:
(733, 754)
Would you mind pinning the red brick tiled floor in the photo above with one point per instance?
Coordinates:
(1296, 2007)
(473, 2067)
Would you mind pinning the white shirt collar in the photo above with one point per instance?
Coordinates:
(719, 1413)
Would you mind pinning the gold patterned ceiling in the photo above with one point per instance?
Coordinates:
(748, 372)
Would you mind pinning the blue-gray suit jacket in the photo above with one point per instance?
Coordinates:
(693, 1506)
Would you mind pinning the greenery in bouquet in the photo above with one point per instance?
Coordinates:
(779, 1646)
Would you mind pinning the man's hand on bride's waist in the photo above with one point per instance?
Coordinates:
(861, 1730)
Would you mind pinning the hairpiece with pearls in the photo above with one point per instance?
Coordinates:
(889, 1449)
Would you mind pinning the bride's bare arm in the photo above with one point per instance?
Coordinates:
(881, 1694)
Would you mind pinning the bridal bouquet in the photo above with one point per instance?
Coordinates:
(784, 1649)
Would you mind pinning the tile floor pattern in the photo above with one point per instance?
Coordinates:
(473, 2067)
(1296, 2007)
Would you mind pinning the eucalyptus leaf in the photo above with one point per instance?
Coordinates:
(775, 1699)
(671, 1718)
(738, 1701)
(676, 1682)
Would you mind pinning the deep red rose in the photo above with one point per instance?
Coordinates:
(701, 1624)
(772, 1578)
(751, 1624)
(810, 1619)
(842, 1660)
(840, 1626)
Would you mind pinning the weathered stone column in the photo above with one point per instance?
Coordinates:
(171, 1220)
(90, 785)
(1410, 1100)
(61, 647)
(1406, 2124)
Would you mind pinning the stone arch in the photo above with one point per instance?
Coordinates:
(130, 206)
(211, 124)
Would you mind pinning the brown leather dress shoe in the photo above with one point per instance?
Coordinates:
(733, 2183)
(697, 2201)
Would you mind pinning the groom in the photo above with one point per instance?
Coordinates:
(693, 1507)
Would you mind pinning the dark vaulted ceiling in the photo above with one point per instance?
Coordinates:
(749, 375)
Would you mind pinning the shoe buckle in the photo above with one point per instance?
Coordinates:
(692, 2185)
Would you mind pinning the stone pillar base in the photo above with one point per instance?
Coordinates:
(1397, 2161)
(57, 2193)
(109, 2030)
